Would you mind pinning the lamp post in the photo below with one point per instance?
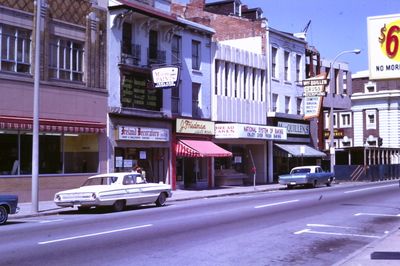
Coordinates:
(332, 86)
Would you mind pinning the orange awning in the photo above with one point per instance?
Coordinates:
(200, 148)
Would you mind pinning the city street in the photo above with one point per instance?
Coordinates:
(284, 227)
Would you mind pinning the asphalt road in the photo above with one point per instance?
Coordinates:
(287, 227)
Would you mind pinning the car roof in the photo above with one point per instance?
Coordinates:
(119, 174)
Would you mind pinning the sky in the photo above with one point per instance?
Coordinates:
(336, 25)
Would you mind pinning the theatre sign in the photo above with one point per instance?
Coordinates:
(383, 46)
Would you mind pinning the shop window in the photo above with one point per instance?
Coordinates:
(66, 59)
(15, 45)
(81, 153)
(57, 153)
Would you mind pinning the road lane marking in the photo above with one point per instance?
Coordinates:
(331, 226)
(51, 221)
(275, 204)
(94, 234)
(309, 231)
(369, 188)
(377, 214)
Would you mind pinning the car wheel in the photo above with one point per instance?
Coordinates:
(314, 184)
(329, 182)
(161, 199)
(3, 215)
(119, 205)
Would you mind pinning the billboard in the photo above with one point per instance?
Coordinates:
(384, 46)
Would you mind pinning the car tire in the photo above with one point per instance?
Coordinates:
(119, 205)
(314, 184)
(329, 182)
(3, 215)
(289, 186)
(161, 199)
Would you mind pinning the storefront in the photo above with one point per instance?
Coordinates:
(194, 153)
(141, 142)
(65, 147)
(249, 145)
(297, 150)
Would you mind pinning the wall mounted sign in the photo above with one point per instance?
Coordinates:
(237, 131)
(314, 90)
(165, 77)
(195, 126)
(295, 128)
(142, 133)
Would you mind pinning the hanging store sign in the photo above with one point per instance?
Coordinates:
(238, 131)
(142, 133)
(314, 90)
(165, 77)
(189, 126)
(383, 46)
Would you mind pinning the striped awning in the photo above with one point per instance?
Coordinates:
(51, 125)
(200, 148)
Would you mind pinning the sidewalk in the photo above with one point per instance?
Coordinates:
(380, 248)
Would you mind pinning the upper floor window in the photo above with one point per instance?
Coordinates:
(286, 66)
(66, 59)
(328, 120)
(274, 102)
(274, 56)
(176, 49)
(370, 87)
(196, 55)
(287, 104)
(345, 120)
(298, 67)
(370, 119)
(196, 110)
(299, 101)
(15, 44)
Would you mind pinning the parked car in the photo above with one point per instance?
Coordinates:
(8, 205)
(116, 190)
(311, 175)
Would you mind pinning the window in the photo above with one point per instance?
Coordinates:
(217, 78)
(176, 49)
(274, 56)
(236, 80)
(287, 104)
(345, 120)
(126, 38)
(254, 84)
(153, 47)
(370, 87)
(66, 59)
(370, 119)
(262, 85)
(274, 102)
(226, 78)
(196, 110)
(345, 73)
(328, 121)
(298, 105)
(286, 66)
(196, 55)
(298, 67)
(245, 73)
(15, 45)
(176, 99)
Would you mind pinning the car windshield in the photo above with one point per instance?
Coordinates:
(301, 171)
(96, 181)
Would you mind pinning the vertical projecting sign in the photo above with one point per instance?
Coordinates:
(314, 90)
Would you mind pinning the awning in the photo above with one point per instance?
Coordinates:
(295, 150)
(51, 125)
(200, 148)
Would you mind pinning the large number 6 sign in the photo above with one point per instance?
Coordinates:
(392, 41)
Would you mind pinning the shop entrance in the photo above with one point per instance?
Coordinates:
(191, 172)
(152, 161)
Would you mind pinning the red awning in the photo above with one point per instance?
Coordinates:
(200, 148)
(51, 125)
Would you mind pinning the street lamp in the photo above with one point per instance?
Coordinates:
(332, 85)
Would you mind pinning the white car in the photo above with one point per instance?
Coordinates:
(116, 190)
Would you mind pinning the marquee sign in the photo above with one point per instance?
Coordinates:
(237, 131)
(384, 46)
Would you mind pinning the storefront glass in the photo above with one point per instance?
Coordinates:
(58, 153)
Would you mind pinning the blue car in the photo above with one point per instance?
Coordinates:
(8, 205)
